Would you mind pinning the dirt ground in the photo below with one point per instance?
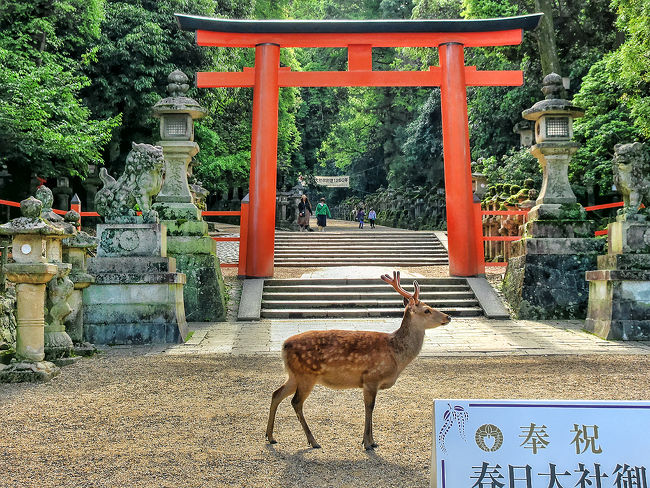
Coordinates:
(126, 419)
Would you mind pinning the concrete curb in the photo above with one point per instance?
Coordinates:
(488, 299)
(250, 304)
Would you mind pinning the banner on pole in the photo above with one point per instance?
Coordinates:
(530, 444)
(329, 181)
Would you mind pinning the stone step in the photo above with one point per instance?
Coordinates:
(362, 294)
(286, 313)
(406, 282)
(370, 253)
(373, 238)
(356, 232)
(353, 304)
(351, 289)
(389, 262)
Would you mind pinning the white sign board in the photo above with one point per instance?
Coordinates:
(330, 181)
(540, 444)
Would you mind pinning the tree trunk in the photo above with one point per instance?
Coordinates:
(546, 39)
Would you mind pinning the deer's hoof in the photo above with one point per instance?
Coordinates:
(371, 447)
(315, 445)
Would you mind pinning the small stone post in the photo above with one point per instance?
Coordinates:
(30, 272)
(188, 240)
(57, 341)
(75, 252)
(545, 275)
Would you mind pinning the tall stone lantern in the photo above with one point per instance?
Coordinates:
(553, 148)
(31, 271)
(188, 240)
(545, 274)
(177, 114)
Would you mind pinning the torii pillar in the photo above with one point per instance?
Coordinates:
(359, 37)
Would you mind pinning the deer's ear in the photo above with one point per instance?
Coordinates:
(406, 301)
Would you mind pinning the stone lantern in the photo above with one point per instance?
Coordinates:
(188, 240)
(75, 252)
(177, 114)
(63, 192)
(479, 182)
(57, 341)
(525, 130)
(553, 147)
(545, 274)
(31, 272)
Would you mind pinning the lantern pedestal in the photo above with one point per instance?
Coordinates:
(188, 241)
(545, 274)
(137, 297)
(619, 290)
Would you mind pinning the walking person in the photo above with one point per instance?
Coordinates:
(360, 215)
(322, 212)
(372, 216)
(304, 213)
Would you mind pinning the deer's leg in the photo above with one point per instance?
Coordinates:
(369, 395)
(302, 392)
(278, 395)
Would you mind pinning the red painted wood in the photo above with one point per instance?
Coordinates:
(502, 238)
(222, 213)
(504, 212)
(374, 39)
(9, 203)
(605, 205)
(264, 151)
(461, 231)
(359, 77)
(360, 57)
(243, 237)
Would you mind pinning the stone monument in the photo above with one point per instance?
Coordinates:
(58, 345)
(619, 291)
(31, 272)
(75, 252)
(137, 296)
(187, 233)
(545, 274)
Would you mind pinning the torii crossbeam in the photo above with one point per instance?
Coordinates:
(359, 37)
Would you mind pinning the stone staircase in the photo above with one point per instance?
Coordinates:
(362, 297)
(358, 248)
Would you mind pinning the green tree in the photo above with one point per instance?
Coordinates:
(45, 128)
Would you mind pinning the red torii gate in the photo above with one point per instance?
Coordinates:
(359, 37)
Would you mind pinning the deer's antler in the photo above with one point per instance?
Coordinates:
(394, 282)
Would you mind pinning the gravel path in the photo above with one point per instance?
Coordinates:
(126, 419)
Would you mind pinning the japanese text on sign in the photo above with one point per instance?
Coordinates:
(540, 444)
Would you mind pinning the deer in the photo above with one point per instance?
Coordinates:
(342, 359)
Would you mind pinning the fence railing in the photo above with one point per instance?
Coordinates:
(524, 213)
(243, 229)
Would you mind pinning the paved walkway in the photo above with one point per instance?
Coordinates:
(462, 337)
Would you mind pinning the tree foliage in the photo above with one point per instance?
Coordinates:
(45, 128)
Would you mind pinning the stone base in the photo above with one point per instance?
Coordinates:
(61, 362)
(28, 372)
(57, 345)
(131, 240)
(134, 301)
(177, 211)
(84, 349)
(619, 304)
(543, 285)
(204, 293)
(628, 237)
